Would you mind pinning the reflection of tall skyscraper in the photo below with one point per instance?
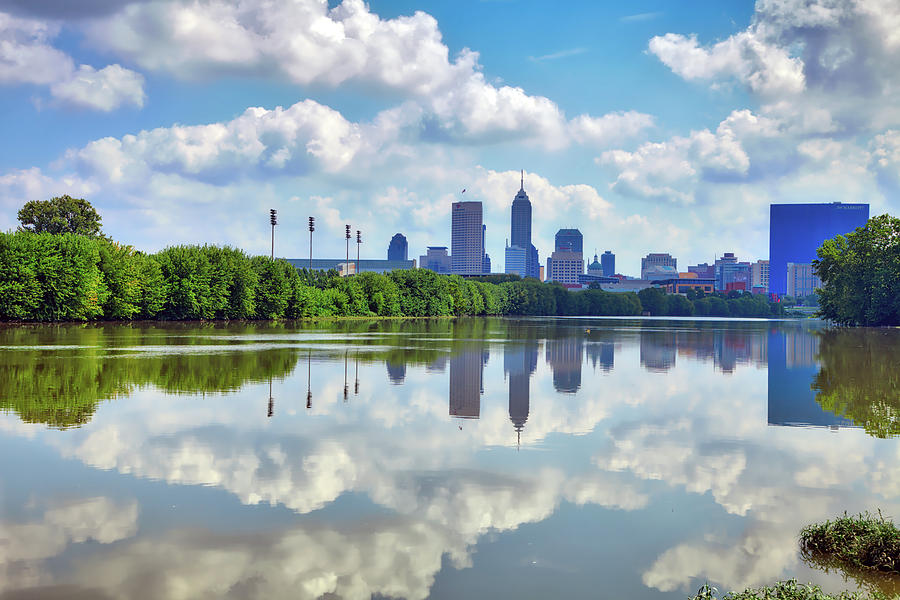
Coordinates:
(466, 370)
(792, 368)
(564, 357)
(396, 372)
(658, 350)
(519, 362)
(602, 353)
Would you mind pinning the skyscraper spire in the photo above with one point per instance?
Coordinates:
(522, 182)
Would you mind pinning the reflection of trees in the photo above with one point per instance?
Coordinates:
(869, 580)
(63, 387)
(859, 378)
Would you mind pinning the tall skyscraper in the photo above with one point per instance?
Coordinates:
(520, 246)
(398, 249)
(466, 235)
(569, 240)
(608, 263)
(797, 230)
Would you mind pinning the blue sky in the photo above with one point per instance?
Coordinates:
(660, 127)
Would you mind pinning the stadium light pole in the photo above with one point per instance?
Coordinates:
(358, 242)
(273, 219)
(312, 227)
(347, 236)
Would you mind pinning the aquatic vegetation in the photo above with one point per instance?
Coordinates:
(865, 541)
(783, 590)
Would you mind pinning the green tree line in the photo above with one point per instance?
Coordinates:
(860, 274)
(71, 277)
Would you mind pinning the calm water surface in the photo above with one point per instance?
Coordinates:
(576, 458)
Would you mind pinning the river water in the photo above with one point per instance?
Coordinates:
(482, 458)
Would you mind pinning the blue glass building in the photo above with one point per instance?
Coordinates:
(398, 249)
(797, 230)
(569, 240)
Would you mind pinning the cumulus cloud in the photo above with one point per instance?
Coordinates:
(105, 90)
(828, 57)
(27, 57)
(309, 43)
(765, 68)
(673, 169)
(25, 545)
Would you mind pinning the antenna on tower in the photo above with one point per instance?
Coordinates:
(522, 181)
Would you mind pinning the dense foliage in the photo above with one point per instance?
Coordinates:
(63, 214)
(69, 277)
(784, 590)
(865, 541)
(858, 378)
(860, 274)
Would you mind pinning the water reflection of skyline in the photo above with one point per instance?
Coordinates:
(384, 476)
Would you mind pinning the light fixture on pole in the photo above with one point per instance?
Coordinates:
(347, 236)
(273, 219)
(358, 242)
(312, 227)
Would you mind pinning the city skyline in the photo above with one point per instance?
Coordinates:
(633, 123)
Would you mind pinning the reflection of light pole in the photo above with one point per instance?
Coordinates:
(312, 227)
(356, 376)
(358, 242)
(271, 399)
(347, 236)
(308, 375)
(273, 219)
(346, 389)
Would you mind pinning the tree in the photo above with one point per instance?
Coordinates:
(63, 214)
(860, 274)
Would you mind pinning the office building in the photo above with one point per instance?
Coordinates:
(520, 236)
(731, 274)
(658, 259)
(569, 240)
(801, 281)
(436, 259)
(535, 268)
(398, 249)
(608, 261)
(466, 239)
(485, 259)
(566, 262)
(565, 267)
(516, 261)
(759, 275)
(797, 230)
(703, 270)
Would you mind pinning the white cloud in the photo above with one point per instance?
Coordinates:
(766, 69)
(26, 57)
(25, 545)
(829, 57)
(105, 90)
(309, 43)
